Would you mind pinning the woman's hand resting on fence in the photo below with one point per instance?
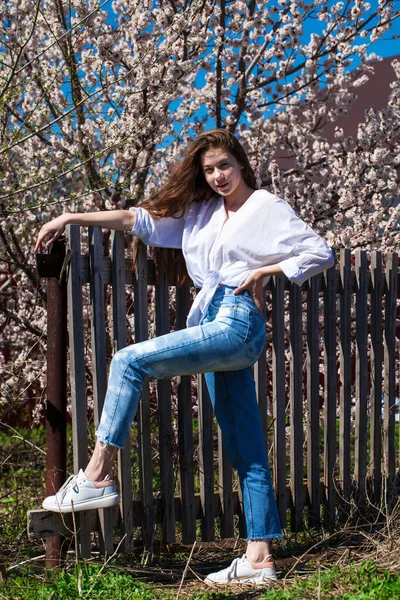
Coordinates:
(119, 220)
(53, 228)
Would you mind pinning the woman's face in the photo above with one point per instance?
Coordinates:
(221, 170)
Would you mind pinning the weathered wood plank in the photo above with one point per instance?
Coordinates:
(360, 453)
(43, 523)
(77, 373)
(77, 346)
(390, 366)
(296, 407)
(376, 372)
(98, 321)
(143, 414)
(118, 283)
(166, 435)
(330, 375)
(206, 460)
(240, 512)
(279, 399)
(345, 371)
(260, 378)
(119, 342)
(225, 491)
(185, 429)
(266, 412)
(313, 443)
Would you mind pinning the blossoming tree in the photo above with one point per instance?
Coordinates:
(97, 101)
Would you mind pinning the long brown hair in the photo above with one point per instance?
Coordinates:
(187, 184)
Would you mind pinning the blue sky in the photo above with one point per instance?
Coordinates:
(387, 46)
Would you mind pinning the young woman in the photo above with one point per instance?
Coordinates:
(233, 238)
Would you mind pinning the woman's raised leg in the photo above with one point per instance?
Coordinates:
(205, 347)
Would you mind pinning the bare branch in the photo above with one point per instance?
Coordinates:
(14, 67)
(19, 258)
(27, 324)
(57, 40)
(218, 83)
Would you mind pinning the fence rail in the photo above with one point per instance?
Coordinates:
(326, 387)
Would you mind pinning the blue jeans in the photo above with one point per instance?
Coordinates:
(224, 346)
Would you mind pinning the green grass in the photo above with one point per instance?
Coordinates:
(22, 479)
(85, 581)
(94, 582)
(22, 484)
(362, 582)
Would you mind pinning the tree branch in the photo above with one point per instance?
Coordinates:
(14, 67)
(17, 260)
(27, 324)
(218, 82)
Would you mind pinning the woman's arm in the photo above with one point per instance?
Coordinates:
(120, 220)
(166, 232)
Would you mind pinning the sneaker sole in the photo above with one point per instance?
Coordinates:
(103, 502)
(248, 581)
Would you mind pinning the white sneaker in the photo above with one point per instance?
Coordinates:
(80, 493)
(242, 571)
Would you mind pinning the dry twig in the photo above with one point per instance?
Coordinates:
(185, 570)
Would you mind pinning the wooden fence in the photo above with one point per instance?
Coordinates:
(326, 387)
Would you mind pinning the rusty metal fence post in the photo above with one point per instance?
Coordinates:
(50, 266)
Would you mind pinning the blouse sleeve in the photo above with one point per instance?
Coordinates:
(307, 253)
(166, 232)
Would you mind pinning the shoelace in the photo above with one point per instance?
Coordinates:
(72, 482)
(232, 569)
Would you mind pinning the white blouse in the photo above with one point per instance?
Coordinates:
(217, 250)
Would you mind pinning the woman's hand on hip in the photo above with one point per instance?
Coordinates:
(253, 284)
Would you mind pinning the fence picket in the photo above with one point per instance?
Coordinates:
(376, 371)
(225, 491)
(330, 377)
(166, 436)
(345, 371)
(206, 460)
(99, 357)
(119, 337)
(185, 431)
(360, 459)
(279, 398)
(390, 366)
(143, 414)
(296, 407)
(260, 378)
(313, 443)
(77, 376)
